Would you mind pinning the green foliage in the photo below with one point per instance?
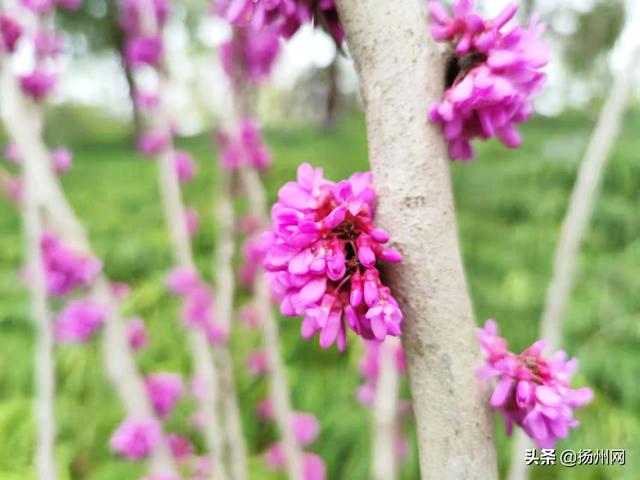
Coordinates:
(510, 207)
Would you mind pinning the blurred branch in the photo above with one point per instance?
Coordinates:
(574, 227)
(385, 414)
(23, 122)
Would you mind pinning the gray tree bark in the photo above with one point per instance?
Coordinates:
(401, 73)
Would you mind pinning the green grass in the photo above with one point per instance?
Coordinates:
(510, 207)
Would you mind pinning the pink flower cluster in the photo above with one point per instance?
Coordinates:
(185, 167)
(164, 389)
(48, 45)
(66, 270)
(370, 369)
(322, 258)
(252, 257)
(198, 303)
(244, 148)
(144, 45)
(79, 321)
(532, 392)
(136, 438)
(137, 334)
(10, 33)
(43, 7)
(491, 79)
(152, 143)
(305, 429)
(283, 16)
(250, 53)
(61, 157)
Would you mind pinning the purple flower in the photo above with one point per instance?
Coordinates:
(531, 391)
(305, 428)
(61, 158)
(48, 43)
(252, 52)
(313, 467)
(136, 438)
(322, 258)
(370, 369)
(185, 167)
(66, 270)
(137, 334)
(10, 33)
(38, 6)
(283, 16)
(143, 51)
(257, 363)
(38, 84)
(252, 257)
(181, 447)
(492, 77)
(153, 143)
(79, 321)
(192, 218)
(12, 154)
(131, 14)
(164, 390)
(245, 148)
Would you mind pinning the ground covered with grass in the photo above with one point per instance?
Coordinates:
(510, 207)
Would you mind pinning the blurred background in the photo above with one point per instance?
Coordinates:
(510, 205)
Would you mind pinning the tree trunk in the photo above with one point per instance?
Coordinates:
(401, 73)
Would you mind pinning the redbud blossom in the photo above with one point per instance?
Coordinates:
(492, 77)
(10, 33)
(184, 165)
(198, 303)
(322, 258)
(313, 467)
(79, 321)
(181, 447)
(244, 148)
(66, 270)
(61, 158)
(153, 143)
(250, 53)
(284, 16)
(192, 217)
(12, 154)
(136, 438)
(370, 369)
(137, 334)
(38, 84)
(141, 50)
(164, 390)
(532, 392)
(257, 363)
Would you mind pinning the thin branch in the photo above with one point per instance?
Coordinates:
(385, 413)
(401, 74)
(23, 122)
(279, 390)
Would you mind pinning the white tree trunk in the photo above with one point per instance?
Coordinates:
(225, 288)
(44, 351)
(385, 414)
(279, 390)
(23, 122)
(401, 73)
(574, 227)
